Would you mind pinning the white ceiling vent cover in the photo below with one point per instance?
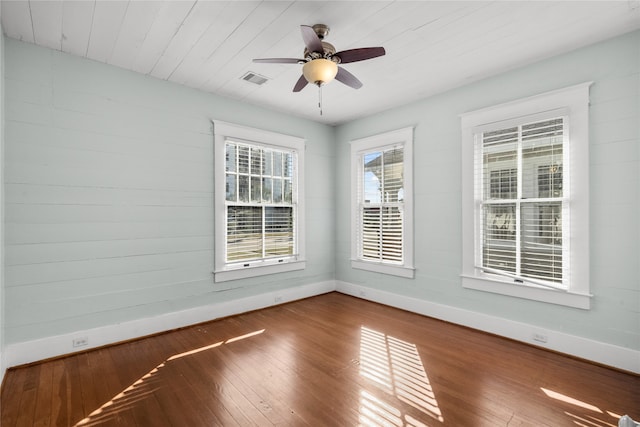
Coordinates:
(255, 78)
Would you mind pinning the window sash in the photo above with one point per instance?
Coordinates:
(520, 181)
(260, 208)
(380, 234)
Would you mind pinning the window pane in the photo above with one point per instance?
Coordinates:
(256, 189)
(541, 240)
(393, 170)
(503, 184)
(256, 160)
(230, 157)
(500, 150)
(244, 233)
(267, 161)
(391, 234)
(277, 190)
(266, 190)
(499, 238)
(371, 233)
(243, 159)
(550, 181)
(243, 188)
(277, 164)
(372, 185)
(542, 159)
(288, 165)
(231, 187)
(288, 191)
(278, 231)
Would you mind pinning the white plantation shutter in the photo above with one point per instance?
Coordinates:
(381, 205)
(521, 178)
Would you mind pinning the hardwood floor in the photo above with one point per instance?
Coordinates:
(331, 360)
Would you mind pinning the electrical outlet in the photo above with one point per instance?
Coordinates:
(539, 337)
(278, 299)
(80, 341)
(362, 294)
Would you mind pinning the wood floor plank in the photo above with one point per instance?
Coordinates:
(11, 394)
(27, 406)
(331, 360)
(42, 415)
(88, 387)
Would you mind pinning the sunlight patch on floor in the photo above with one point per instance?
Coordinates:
(140, 389)
(559, 396)
(589, 421)
(395, 367)
(584, 420)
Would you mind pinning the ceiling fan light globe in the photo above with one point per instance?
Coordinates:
(320, 71)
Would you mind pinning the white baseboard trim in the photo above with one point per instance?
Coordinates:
(599, 352)
(607, 354)
(3, 367)
(35, 350)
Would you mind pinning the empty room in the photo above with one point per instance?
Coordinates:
(320, 213)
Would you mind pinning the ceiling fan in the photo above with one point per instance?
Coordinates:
(321, 59)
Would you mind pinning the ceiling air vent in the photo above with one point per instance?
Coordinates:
(255, 78)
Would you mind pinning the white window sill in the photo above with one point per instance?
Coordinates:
(552, 296)
(257, 270)
(378, 267)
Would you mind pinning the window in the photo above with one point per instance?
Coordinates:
(525, 198)
(382, 210)
(258, 210)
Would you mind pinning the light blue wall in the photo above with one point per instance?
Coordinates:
(109, 195)
(614, 66)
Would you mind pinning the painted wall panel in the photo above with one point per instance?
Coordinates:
(614, 318)
(109, 184)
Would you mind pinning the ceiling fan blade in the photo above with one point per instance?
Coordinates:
(300, 84)
(354, 55)
(347, 78)
(311, 39)
(279, 60)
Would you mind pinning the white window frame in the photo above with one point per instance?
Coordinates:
(574, 103)
(404, 138)
(224, 271)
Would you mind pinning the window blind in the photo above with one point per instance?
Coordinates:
(522, 206)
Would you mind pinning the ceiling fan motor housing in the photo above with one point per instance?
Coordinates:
(328, 51)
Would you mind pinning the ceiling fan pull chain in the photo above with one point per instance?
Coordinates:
(320, 98)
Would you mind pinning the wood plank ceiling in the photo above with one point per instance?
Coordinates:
(432, 46)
